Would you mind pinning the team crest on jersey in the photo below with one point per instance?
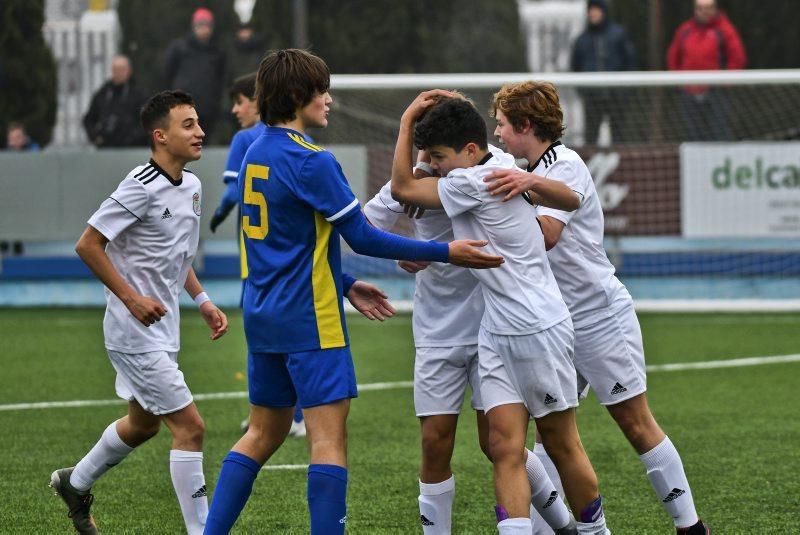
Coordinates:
(196, 203)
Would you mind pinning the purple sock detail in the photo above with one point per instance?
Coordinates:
(501, 513)
(592, 512)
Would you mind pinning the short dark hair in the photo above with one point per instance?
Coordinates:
(451, 123)
(245, 86)
(156, 110)
(286, 80)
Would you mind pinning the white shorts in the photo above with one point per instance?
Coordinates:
(534, 369)
(609, 356)
(152, 379)
(441, 375)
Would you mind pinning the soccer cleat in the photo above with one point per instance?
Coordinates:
(298, 429)
(77, 503)
(696, 529)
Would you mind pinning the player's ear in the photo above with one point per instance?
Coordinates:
(159, 136)
(525, 127)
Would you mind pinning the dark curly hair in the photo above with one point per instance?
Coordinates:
(451, 123)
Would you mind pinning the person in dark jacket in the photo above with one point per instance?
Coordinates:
(707, 42)
(603, 46)
(247, 51)
(113, 116)
(196, 64)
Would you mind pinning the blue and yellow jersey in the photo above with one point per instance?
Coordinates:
(293, 193)
(239, 144)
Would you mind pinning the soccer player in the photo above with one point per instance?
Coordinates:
(296, 202)
(243, 95)
(525, 340)
(448, 306)
(140, 243)
(609, 353)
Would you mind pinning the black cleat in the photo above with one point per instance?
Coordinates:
(696, 529)
(77, 503)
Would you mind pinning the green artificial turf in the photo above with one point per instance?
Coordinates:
(737, 430)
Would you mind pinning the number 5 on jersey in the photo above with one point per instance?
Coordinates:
(255, 198)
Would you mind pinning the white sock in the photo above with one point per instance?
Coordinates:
(186, 468)
(598, 527)
(666, 475)
(545, 498)
(515, 526)
(436, 506)
(109, 451)
(539, 525)
(550, 468)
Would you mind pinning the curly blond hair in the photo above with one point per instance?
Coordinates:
(531, 103)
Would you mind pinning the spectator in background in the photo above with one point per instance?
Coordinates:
(194, 63)
(603, 46)
(248, 48)
(113, 116)
(17, 139)
(706, 42)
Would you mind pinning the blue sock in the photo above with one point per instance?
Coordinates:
(233, 488)
(327, 498)
(298, 413)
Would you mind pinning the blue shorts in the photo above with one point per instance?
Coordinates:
(307, 378)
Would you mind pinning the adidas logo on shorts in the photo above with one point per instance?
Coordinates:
(549, 400)
(166, 214)
(425, 521)
(343, 520)
(550, 500)
(618, 389)
(674, 495)
(200, 492)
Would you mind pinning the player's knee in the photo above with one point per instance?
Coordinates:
(639, 428)
(436, 440)
(504, 446)
(191, 433)
(561, 447)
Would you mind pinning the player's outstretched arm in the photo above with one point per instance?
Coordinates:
(370, 300)
(466, 253)
(216, 319)
(406, 189)
(544, 191)
(91, 248)
(366, 240)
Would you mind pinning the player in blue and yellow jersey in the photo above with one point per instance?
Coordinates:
(296, 202)
(243, 95)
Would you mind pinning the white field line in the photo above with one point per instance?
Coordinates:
(680, 366)
(284, 467)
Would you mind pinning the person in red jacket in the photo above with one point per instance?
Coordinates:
(708, 41)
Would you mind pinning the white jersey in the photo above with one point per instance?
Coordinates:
(521, 295)
(153, 227)
(448, 303)
(579, 262)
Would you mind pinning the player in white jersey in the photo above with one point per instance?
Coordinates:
(609, 354)
(140, 243)
(448, 306)
(525, 339)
